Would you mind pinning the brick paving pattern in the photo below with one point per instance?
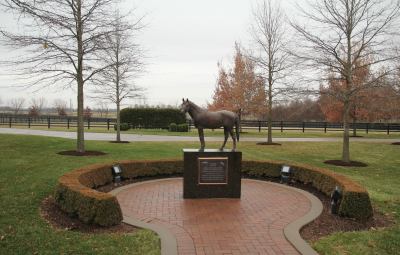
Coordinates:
(252, 225)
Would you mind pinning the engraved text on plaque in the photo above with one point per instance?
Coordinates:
(213, 170)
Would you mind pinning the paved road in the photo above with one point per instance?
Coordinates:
(159, 138)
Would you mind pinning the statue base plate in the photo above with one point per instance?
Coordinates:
(212, 173)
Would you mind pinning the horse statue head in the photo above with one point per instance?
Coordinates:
(185, 106)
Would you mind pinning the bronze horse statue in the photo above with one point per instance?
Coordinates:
(213, 120)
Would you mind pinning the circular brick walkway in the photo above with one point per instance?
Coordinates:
(253, 224)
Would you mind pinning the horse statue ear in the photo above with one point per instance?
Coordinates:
(187, 100)
(183, 100)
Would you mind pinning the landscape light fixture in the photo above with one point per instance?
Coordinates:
(116, 172)
(285, 174)
(336, 197)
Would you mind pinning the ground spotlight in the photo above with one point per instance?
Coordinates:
(336, 197)
(286, 173)
(116, 172)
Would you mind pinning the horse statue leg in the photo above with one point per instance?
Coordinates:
(233, 138)
(201, 136)
(226, 133)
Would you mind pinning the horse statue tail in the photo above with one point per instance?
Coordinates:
(237, 124)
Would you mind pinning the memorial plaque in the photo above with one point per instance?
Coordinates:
(213, 171)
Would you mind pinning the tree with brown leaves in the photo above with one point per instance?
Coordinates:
(239, 89)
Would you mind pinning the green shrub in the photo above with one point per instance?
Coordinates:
(123, 126)
(152, 117)
(184, 127)
(74, 195)
(356, 205)
(173, 127)
(261, 169)
(134, 169)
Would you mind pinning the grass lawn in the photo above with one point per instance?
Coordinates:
(310, 133)
(29, 168)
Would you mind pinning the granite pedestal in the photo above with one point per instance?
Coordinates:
(212, 173)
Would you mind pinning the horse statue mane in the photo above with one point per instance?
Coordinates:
(203, 118)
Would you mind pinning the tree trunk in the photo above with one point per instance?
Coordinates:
(269, 118)
(117, 92)
(81, 124)
(240, 120)
(81, 127)
(354, 128)
(354, 122)
(346, 103)
(118, 123)
(346, 139)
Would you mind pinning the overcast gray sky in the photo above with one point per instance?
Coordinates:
(184, 40)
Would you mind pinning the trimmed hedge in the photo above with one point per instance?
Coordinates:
(173, 127)
(75, 194)
(355, 199)
(152, 117)
(123, 126)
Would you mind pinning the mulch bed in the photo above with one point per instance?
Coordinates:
(342, 163)
(267, 143)
(119, 142)
(59, 219)
(328, 223)
(80, 154)
(396, 143)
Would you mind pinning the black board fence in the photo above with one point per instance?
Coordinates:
(54, 122)
(320, 126)
(51, 121)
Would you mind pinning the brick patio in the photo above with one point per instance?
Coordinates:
(252, 225)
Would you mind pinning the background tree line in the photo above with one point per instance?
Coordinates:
(348, 47)
(239, 87)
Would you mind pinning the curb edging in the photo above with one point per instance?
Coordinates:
(292, 230)
(169, 244)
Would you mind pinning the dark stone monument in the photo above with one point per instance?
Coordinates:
(211, 173)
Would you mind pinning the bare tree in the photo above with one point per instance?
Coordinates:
(16, 104)
(36, 106)
(271, 56)
(61, 42)
(103, 108)
(124, 58)
(87, 113)
(61, 107)
(339, 33)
